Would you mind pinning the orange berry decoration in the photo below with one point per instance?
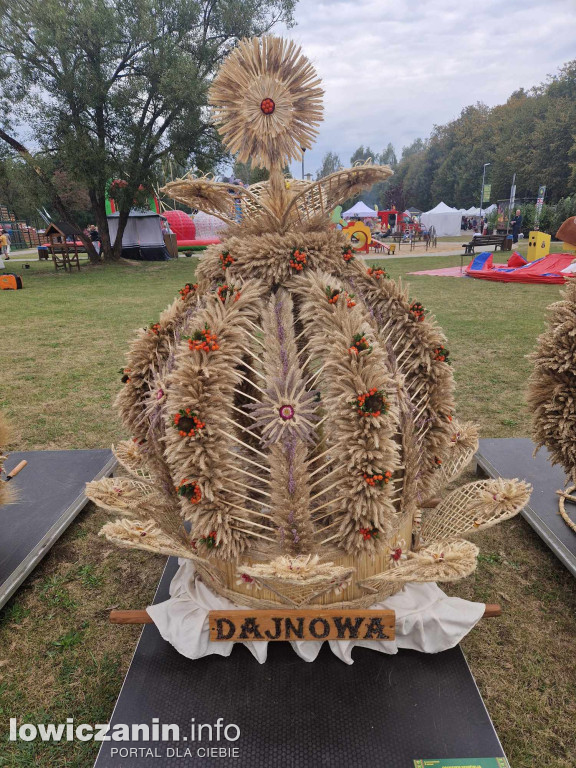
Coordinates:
(417, 311)
(298, 260)
(267, 106)
(203, 341)
(377, 479)
(442, 355)
(372, 403)
(359, 344)
(187, 290)
(377, 273)
(155, 329)
(187, 422)
(190, 490)
(368, 533)
(347, 253)
(226, 260)
(224, 291)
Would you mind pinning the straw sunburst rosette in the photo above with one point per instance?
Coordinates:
(291, 415)
(267, 102)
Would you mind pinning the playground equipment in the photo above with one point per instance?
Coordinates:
(184, 228)
(538, 245)
(359, 235)
(548, 269)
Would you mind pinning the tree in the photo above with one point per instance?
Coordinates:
(112, 89)
(361, 155)
(249, 174)
(330, 164)
(388, 157)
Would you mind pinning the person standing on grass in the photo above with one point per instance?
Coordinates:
(516, 224)
(4, 244)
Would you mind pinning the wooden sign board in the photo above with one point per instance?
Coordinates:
(305, 624)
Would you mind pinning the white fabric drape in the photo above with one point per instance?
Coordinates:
(427, 620)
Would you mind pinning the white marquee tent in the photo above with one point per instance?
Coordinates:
(360, 210)
(445, 220)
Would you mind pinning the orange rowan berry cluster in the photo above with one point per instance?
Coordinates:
(442, 354)
(359, 344)
(267, 106)
(371, 403)
(368, 533)
(187, 422)
(349, 301)
(418, 311)
(125, 375)
(377, 273)
(298, 260)
(224, 291)
(226, 259)
(347, 253)
(210, 541)
(378, 479)
(203, 341)
(189, 490)
(154, 328)
(188, 288)
(332, 294)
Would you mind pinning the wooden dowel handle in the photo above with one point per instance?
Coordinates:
(130, 617)
(17, 468)
(142, 617)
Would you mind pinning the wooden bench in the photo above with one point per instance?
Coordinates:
(495, 240)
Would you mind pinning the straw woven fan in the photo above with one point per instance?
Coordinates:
(292, 407)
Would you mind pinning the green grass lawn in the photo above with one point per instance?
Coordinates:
(65, 337)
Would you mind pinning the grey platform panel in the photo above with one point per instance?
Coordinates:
(512, 457)
(382, 711)
(50, 493)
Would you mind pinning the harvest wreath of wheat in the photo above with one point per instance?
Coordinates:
(292, 412)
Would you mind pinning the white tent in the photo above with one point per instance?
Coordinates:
(361, 211)
(143, 238)
(445, 220)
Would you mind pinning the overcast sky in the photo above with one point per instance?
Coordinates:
(391, 70)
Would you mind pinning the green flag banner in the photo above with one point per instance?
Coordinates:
(487, 191)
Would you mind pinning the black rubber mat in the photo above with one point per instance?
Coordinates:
(382, 711)
(50, 493)
(512, 457)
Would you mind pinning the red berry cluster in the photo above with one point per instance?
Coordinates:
(298, 260)
(359, 344)
(377, 273)
(189, 490)
(187, 422)
(396, 554)
(347, 253)
(417, 311)
(203, 341)
(188, 288)
(332, 294)
(155, 328)
(368, 533)
(442, 354)
(125, 375)
(267, 106)
(378, 479)
(437, 462)
(371, 403)
(226, 259)
(210, 541)
(224, 291)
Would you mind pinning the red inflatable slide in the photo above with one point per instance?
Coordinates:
(545, 270)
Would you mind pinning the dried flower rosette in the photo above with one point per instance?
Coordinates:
(267, 102)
